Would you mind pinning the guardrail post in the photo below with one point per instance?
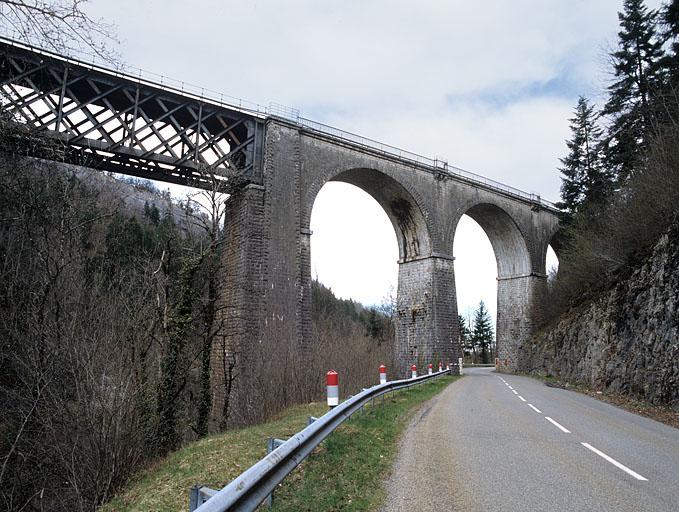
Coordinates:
(198, 495)
(332, 384)
(271, 444)
(194, 493)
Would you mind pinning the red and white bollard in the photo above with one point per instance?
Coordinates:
(332, 382)
(383, 374)
(440, 366)
(430, 368)
(448, 366)
(413, 370)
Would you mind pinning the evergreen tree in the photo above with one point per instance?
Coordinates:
(482, 332)
(584, 177)
(669, 18)
(637, 69)
(465, 335)
(374, 324)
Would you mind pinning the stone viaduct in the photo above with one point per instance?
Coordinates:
(273, 167)
(267, 260)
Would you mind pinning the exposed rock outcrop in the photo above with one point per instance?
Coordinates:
(625, 341)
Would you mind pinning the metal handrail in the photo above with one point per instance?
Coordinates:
(437, 163)
(196, 92)
(148, 78)
(251, 488)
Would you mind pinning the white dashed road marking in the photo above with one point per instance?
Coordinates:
(586, 445)
(557, 425)
(614, 462)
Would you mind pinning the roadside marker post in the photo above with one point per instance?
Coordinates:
(459, 362)
(383, 374)
(332, 383)
(440, 366)
(413, 371)
(430, 369)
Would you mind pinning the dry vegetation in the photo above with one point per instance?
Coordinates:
(107, 321)
(607, 240)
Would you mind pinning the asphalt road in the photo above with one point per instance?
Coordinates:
(501, 442)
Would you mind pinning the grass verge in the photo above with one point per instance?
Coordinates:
(213, 461)
(345, 473)
(348, 470)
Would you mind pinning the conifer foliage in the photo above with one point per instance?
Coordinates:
(637, 70)
(482, 332)
(617, 208)
(584, 178)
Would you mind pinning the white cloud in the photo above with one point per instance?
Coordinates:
(488, 85)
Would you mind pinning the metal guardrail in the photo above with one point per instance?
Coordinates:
(175, 86)
(251, 488)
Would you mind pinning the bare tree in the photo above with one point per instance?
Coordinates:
(60, 25)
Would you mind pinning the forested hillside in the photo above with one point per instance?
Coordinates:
(609, 317)
(108, 315)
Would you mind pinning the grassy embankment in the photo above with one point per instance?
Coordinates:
(345, 473)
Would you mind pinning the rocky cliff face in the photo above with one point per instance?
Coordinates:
(627, 340)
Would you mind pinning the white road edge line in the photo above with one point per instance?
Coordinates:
(515, 392)
(614, 462)
(557, 425)
(535, 408)
(522, 398)
(509, 386)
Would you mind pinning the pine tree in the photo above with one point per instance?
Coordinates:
(638, 73)
(584, 180)
(669, 18)
(482, 332)
(465, 335)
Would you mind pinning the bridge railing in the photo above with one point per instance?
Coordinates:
(273, 109)
(142, 76)
(251, 488)
(435, 163)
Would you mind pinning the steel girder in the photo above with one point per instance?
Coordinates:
(115, 122)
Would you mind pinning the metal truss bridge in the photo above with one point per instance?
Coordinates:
(139, 126)
(125, 124)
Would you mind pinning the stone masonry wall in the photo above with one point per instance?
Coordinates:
(514, 325)
(627, 340)
(266, 299)
(426, 312)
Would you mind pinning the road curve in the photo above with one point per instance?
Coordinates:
(502, 442)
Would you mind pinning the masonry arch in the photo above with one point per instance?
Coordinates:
(508, 242)
(425, 309)
(402, 207)
(514, 273)
(553, 251)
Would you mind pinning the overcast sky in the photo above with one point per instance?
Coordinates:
(488, 85)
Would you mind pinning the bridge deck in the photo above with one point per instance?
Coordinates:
(125, 124)
(130, 124)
